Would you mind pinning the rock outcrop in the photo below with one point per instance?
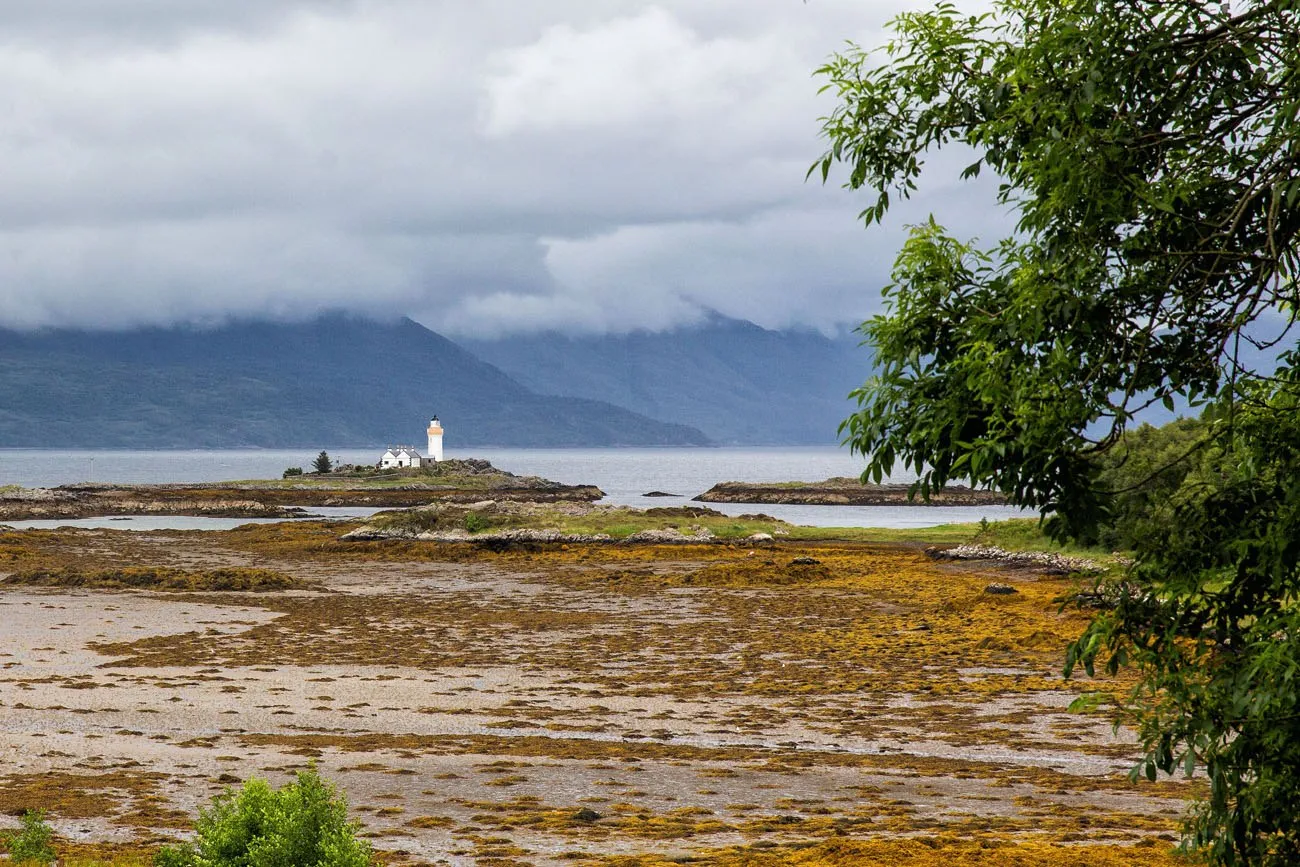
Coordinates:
(843, 492)
(53, 504)
(1044, 561)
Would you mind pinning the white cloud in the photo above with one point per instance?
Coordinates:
(583, 164)
(631, 76)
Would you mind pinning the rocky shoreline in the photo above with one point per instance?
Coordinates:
(530, 536)
(1047, 562)
(511, 524)
(267, 500)
(843, 492)
(36, 504)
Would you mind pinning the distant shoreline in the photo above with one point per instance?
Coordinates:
(844, 492)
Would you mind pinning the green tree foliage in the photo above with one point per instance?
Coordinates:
(1147, 474)
(303, 824)
(1150, 152)
(322, 464)
(292, 471)
(33, 842)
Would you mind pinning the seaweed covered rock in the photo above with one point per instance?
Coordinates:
(158, 578)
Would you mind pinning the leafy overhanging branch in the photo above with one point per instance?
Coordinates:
(1151, 154)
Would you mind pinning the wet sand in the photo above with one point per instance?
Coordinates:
(707, 701)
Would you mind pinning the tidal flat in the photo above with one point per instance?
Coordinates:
(814, 702)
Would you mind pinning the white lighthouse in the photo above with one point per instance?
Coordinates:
(435, 440)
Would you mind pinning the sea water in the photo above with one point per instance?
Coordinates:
(624, 474)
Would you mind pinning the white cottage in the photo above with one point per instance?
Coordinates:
(400, 456)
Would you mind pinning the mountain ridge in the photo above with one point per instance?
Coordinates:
(335, 379)
(737, 382)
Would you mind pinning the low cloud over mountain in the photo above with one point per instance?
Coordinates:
(487, 168)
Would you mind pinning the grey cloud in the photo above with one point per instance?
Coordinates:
(278, 268)
(107, 23)
(487, 167)
(809, 264)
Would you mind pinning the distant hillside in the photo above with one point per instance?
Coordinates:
(735, 381)
(332, 382)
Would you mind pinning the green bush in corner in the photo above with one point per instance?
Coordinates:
(304, 824)
(32, 843)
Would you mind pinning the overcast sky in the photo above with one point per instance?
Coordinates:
(485, 166)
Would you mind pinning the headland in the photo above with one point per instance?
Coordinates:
(843, 491)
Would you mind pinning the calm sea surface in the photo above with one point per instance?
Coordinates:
(623, 474)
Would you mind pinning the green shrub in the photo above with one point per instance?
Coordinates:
(1149, 473)
(474, 522)
(31, 844)
(292, 471)
(303, 824)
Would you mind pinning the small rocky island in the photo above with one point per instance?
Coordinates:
(843, 491)
(456, 481)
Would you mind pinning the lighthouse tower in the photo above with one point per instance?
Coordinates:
(435, 439)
